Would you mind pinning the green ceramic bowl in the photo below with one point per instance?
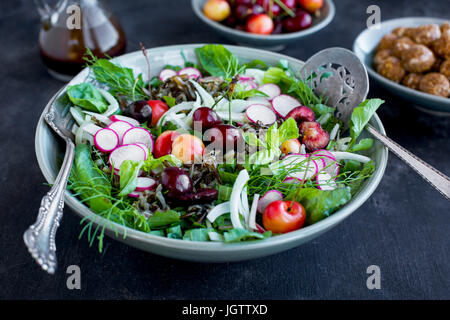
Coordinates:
(270, 42)
(364, 47)
(50, 150)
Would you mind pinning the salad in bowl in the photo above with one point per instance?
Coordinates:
(213, 149)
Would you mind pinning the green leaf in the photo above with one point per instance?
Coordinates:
(129, 172)
(252, 140)
(163, 218)
(288, 130)
(361, 116)
(170, 101)
(363, 144)
(224, 192)
(367, 170)
(174, 232)
(199, 234)
(257, 64)
(237, 234)
(88, 97)
(152, 163)
(218, 61)
(320, 204)
(274, 75)
(321, 109)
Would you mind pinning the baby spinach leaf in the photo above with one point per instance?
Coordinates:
(218, 61)
(363, 144)
(237, 234)
(88, 97)
(129, 172)
(320, 204)
(199, 234)
(163, 218)
(361, 116)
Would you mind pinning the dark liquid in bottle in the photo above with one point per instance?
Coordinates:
(62, 50)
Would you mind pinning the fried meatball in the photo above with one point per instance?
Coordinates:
(386, 42)
(399, 31)
(435, 83)
(437, 64)
(401, 45)
(445, 27)
(380, 56)
(391, 68)
(409, 32)
(426, 34)
(441, 46)
(418, 59)
(412, 80)
(445, 68)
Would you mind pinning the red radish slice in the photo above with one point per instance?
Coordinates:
(291, 180)
(106, 140)
(258, 113)
(247, 84)
(134, 194)
(283, 104)
(260, 100)
(120, 127)
(143, 146)
(272, 90)
(166, 74)
(323, 152)
(138, 135)
(330, 165)
(126, 152)
(294, 161)
(118, 117)
(192, 73)
(325, 182)
(145, 183)
(269, 197)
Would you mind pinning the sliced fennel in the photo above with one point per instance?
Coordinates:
(252, 216)
(207, 99)
(339, 155)
(218, 210)
(235, 198)
(113, 104)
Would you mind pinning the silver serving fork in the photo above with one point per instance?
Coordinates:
(40, 237)
(340, 76)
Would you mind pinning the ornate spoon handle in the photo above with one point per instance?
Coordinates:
(436, 178)
(40, 237)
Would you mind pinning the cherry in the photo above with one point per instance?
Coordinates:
(176, 181)
(260, 24)
(242, 11)
(284, 216)
(301, 21)
(224, 137)
(207, 117)
(139, 110)
(301, 114)
(289, 3)
(158, 109)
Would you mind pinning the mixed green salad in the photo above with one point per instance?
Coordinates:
(214, 150)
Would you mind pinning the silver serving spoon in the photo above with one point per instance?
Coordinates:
(341, 77)
(40, 237)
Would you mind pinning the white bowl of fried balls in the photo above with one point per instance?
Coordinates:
(416, 57)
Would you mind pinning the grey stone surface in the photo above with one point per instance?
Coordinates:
(403, 227)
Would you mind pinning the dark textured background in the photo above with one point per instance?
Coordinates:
(403, 227)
